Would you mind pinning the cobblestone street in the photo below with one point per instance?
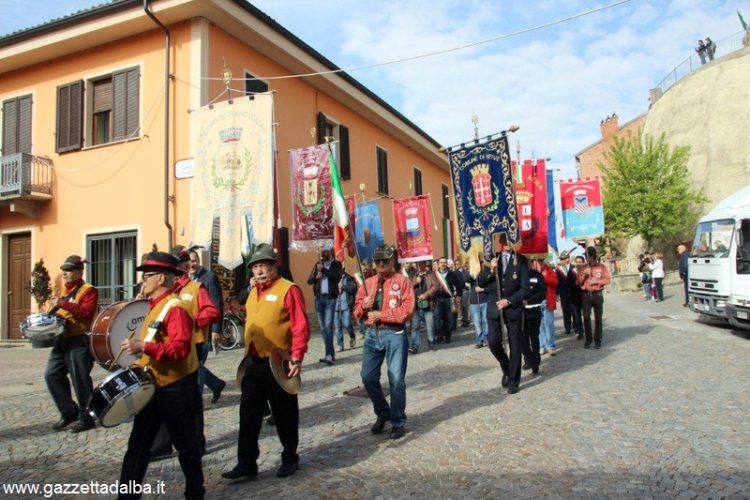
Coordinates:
(660, 411)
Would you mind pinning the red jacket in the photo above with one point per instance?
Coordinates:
(550, 280)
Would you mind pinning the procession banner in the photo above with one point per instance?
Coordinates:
(583, 214)
(552, 218)
(483, 188)
(343, 244)
(531, 202)
(413, 231)
(312, 209)
(368, 229)
(233, 180)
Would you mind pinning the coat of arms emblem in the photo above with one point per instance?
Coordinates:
(481, 184)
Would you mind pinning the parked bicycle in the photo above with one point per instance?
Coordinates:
(233, 325)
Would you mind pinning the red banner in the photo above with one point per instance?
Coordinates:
(413, 232)
(343, 240)
(531, 202)
(312, 211)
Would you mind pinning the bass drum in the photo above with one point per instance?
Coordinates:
(121, 395)
(113, 325)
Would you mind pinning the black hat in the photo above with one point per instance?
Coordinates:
(73, 262)
(383, 252)
(263, 252)
(181, 253)
(160, 262)
(591, 252)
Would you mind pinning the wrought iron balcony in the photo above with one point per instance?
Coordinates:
(25, 180)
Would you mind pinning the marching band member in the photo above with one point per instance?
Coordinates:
(167, 350)
(70, 355)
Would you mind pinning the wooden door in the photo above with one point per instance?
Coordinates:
(19, 277)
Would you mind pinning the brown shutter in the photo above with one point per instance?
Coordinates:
(70, 117)
(320, 128)
(24, 124)
(382, 159)
(10, 127)
(133, 77)
(345, 166)
(125, 95)
(102, 95)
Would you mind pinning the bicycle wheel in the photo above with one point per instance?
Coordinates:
(230, 335)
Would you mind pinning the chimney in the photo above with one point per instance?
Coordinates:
(609, 126)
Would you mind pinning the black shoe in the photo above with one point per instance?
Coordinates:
(526, 366)
(240, 472)
(535, 369)
(63, 423)
(217, 392)
(512, 390)
(82, 426)
(567, 333)
(286, 470)
(478, 346)
(440, 340)
(413, 351)
(598, 345)
(587, 345)
(447, 340)
(379, 425)
(398, 432)
(270, 420)
(504, 381)
(579, 336)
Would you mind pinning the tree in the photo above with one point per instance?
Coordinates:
(647, 190)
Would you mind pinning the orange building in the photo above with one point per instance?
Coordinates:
(93, 133)
(587, 160)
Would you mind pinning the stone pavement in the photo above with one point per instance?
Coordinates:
(660, 411)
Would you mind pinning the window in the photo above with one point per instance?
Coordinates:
(17, 125)
(382, 159)
(328, 128)
(446, 201)
(743, 247)
(713, 238)
(70, 117)
(102, 112)
(112, 266)
(253, 85)
(417, 182)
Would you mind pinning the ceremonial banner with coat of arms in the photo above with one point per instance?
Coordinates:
(312, 208)
(368, 229)
(583, 214)
(413, 231)
(531, 203)
(233, 181)
(483, 187)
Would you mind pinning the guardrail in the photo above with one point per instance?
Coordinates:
(23, 174)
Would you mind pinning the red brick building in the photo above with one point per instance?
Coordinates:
(587, 160)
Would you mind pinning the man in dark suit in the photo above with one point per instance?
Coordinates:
(325, 277)
(563, 291)
(506, 305)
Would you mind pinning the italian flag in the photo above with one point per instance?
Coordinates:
(340, 213)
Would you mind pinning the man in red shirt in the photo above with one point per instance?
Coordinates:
(592, 279)
(70, 355)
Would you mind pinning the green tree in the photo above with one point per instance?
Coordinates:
(647, 190)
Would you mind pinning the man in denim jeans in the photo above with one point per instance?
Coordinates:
(386, 302)
(324, 278)
(425, 286)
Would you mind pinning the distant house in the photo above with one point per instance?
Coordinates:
(588, 159)
(83, 165)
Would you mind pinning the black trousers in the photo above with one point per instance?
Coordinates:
(259, 389)
(511, 366)
(72, 357)
(685, 287)
(532, 320)
(443, 317)
(593, 301)
(175, 406)
(567, 311)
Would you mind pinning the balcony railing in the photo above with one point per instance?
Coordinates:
(25, 176)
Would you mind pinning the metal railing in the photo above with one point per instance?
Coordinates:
(724, 46)
(23, 174)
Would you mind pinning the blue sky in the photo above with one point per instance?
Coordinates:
(557, 83)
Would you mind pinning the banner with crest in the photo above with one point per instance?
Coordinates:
(312, 209)
(583, 214)
(483, 188)
(368, 229)
(413, 231)
(233, 179)
(531, 202)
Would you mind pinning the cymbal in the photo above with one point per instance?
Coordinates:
(279, 361)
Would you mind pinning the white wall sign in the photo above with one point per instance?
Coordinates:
(184, 169)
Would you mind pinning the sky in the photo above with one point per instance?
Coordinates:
(557, 82)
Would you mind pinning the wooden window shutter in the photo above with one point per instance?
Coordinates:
(417, 182)
(102, 95)
(10, 127)
(345, 168)
(125, 95)
(24, 124)
(320, 128)
(69, 117)
(382, 157)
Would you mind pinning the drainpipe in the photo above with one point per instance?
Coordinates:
(167, 38)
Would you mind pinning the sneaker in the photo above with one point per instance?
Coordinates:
(327, 360)
(412, 350)
(552, 351)
(478, 346)
(352, 342)
(543, 351)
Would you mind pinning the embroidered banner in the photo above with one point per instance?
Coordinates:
(368, 229)
(312, 210)
(483, 188)
(531, 202)
(552, 218)
(583, 215)
(413, 232)
(233, 174)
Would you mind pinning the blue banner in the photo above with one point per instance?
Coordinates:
(369, 231)
(551, 222)
(483, 187)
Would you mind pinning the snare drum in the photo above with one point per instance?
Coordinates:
(113, 325)
(121, 395)
(42, 328)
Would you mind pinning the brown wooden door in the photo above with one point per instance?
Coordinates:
(19, 277)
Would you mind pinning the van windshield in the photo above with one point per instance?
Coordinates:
(743, 252)
(713, 239)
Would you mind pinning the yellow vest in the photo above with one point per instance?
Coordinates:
(189, 297)
(267, 323)
(166, 372)
(76, 326)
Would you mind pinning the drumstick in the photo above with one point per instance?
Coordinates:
(122, 349)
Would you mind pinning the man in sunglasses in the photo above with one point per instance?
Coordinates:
(386, 303)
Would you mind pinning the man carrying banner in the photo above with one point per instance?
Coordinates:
(506, 304)
(386, 306)
(450, 287)
(324, 278)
